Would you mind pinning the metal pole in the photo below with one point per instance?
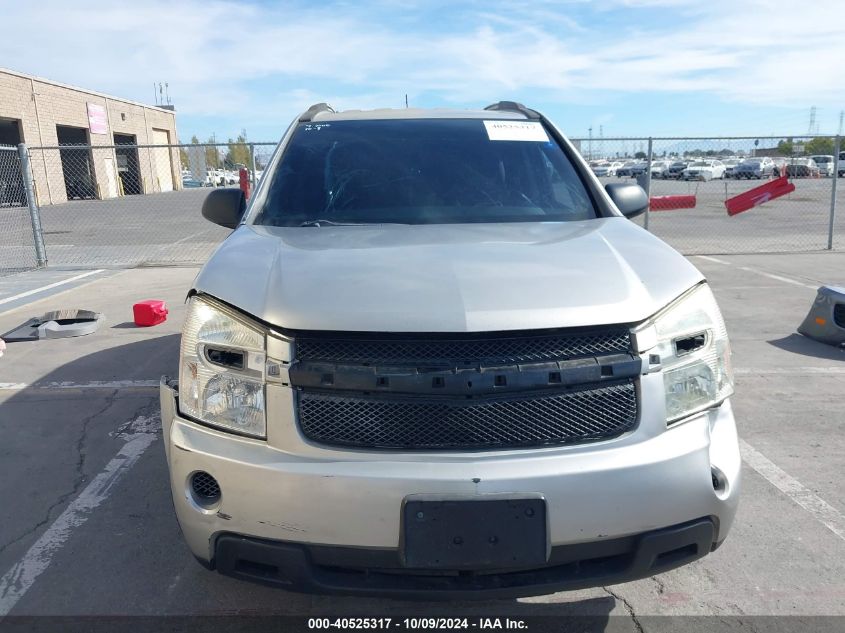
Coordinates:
(836, 148)
(253, 178)
(35, 218)
(648, 183)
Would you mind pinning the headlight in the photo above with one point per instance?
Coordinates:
(221, 369)
(695, 354)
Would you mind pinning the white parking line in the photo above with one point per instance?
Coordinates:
(714, 259)
(111, 384)
(49, 286)
(825, 513)
(17, 581)
(787, 280)
(788, 371)
(749, 269)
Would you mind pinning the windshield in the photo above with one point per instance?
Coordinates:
(823, 159)
(700, 163)
(423, 171)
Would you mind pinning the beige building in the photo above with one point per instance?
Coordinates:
(56, 117)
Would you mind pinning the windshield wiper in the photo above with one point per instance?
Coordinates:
(333, 223)
(329, 223)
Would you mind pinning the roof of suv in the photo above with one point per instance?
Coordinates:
(501, 110)
(415, 113)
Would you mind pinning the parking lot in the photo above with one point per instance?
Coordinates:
(167, 229)
(87, 526)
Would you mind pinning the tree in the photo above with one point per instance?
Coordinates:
(183, 154)
(785, 148)
(819, 145)
(641, 155)
(212, 156)
(238, 153)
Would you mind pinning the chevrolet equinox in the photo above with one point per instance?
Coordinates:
(436, 359)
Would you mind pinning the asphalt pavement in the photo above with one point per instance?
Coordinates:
(168, 228)
(87, 527)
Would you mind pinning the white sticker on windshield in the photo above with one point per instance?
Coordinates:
(516, 131)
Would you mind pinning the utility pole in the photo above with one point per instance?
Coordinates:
(590, 143)
(812, 127)
(406, 100)
(601, 141)
(841, 115)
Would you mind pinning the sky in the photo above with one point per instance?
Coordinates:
(620, 67)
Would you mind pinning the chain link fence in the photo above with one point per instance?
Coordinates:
(135, 205)
(17, 242)
(139, 205)
(691, 180)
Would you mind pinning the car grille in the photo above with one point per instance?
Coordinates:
(398, 412)
(839, 314)
(499, 349)
(572, 416)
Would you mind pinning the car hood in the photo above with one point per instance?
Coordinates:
(447, 278)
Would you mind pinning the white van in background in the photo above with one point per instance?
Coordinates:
(826, 164)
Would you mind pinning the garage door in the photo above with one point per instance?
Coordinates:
(162, 161)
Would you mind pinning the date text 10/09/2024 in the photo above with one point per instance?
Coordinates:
(417, 623)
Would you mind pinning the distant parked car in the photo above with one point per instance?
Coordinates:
(779, 167)
(625, 169)
(705, 170)
(802, 168)
(639, 168)
(826, 164)
(607, 169)
(660, 168)
(676, 169)
(760, 167)
(189, 182)
(840, 166)
(730, 165)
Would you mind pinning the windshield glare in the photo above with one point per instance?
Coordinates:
(426, 171)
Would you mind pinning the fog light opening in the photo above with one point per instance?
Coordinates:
(205, 490)
(719, 481)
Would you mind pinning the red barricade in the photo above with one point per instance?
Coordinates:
(243, 174)
(671, 203)
(757, 196)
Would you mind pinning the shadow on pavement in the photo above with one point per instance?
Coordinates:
(145, 550)
(799, 344)
(126, 325)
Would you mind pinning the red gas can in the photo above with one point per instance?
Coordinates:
(149, 312)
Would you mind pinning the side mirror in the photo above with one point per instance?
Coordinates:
(631, 200)
(224, 207)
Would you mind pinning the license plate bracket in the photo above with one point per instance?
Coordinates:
(456, 534)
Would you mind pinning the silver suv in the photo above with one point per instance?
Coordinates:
(434, 359)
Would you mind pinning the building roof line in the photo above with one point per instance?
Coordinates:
(94, 93)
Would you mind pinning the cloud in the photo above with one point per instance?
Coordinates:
(222, 58)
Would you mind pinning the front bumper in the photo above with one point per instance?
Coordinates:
(613, 497)
(337, 570)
